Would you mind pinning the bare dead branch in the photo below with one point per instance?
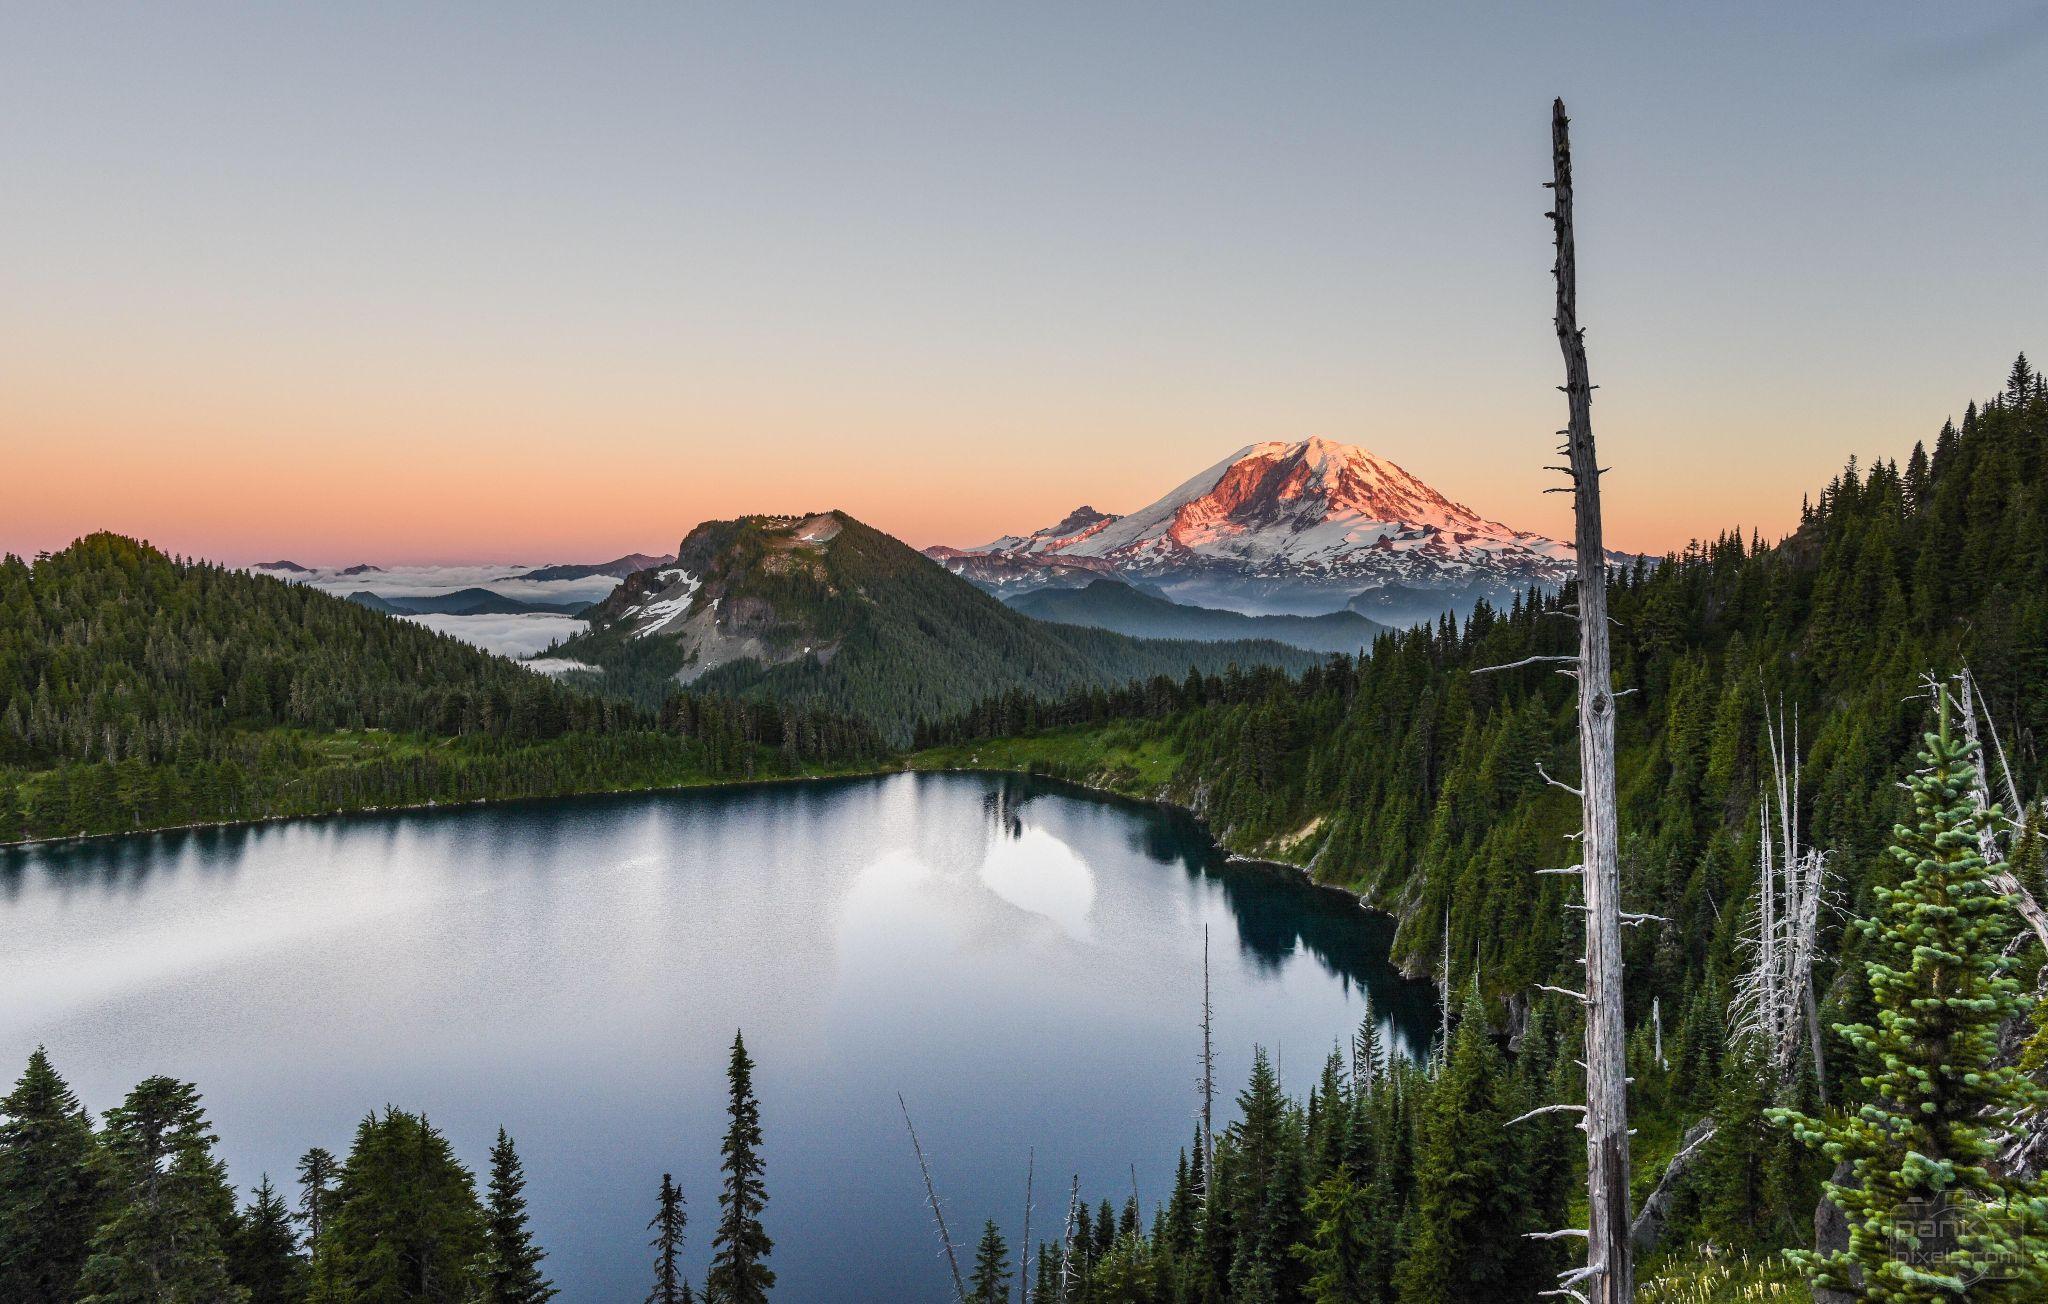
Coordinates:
(1525, 661)
(1557, 783)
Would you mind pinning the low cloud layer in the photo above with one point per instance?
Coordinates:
(416, 581)
(512, 636)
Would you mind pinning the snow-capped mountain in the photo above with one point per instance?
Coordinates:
(1303, 527)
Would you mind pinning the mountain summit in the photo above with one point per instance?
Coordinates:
(821, 610)
(1307, 526)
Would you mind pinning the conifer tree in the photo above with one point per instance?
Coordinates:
(1255, 1215)
(1368, 1054)
(1548, 1147)
(1928, 1219)
(1470, 1206)
(263, 1251)
(52, 1187)
(739, 1268)
(2019, 382)
(172, 1209)
(1251, 1277)
(1125, 1272)
(1745, 1179)
(511, 1269)
(1177, 1225)
(1340, 1252)
(317, 1169)
(991, 1281)
(405, 1226)
(670, 1287)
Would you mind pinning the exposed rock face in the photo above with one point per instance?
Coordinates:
(704, 601)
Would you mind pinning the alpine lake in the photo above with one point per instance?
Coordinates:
(1020, 959)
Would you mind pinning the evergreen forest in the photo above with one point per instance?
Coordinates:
(1831, 776)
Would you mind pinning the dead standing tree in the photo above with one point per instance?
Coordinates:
(932, 1193)
(1608, 1276)
(1208, 1083)
(2011, 818)
(1024, 1243)
(2025, 1148)
(1774, 1001)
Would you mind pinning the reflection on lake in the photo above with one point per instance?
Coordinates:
(1021, 960)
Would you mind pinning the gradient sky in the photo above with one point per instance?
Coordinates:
(453, 282)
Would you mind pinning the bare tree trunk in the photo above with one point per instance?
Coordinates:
(1024, 1246)
(931, 1192)
(1443, 1040)
(1774, 994)
(1820, 1059)
(1607, 1157)
(1208, 1079)
(2002, 876)
(1067, 1243)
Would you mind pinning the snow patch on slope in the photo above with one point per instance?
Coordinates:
(660, 611)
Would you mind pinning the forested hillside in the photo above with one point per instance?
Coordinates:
(829, 613)
(138, 690)
(1416, 781)
(1114, 605)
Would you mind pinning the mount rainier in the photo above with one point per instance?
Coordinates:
(1304, 527)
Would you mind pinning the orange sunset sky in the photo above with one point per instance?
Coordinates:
(499, 283)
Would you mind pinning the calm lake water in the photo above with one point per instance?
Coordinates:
(1021, 960)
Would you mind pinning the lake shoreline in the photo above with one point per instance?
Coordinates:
(1288, 868)
(416, 806)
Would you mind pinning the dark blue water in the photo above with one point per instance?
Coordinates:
(1020, 960)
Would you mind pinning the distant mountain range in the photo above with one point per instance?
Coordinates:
(618, 568)
(1111, 604)
(463, 602)
(1302, 528)
(823, 610)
